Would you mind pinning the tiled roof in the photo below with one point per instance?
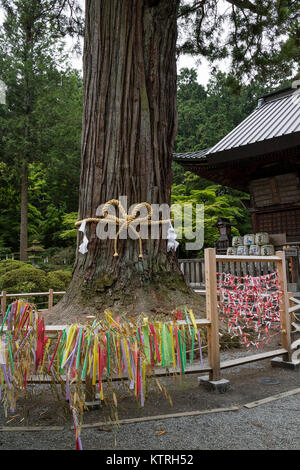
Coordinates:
(276, 118)
(273, 125)
(198, 155)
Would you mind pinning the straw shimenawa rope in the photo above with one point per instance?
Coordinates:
(125, 220)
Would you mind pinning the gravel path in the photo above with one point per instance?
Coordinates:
(272, 426)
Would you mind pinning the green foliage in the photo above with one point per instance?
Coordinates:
(229, 205)
(11, 265)
(24, 279)
(260, 38)
(205, 116)
(19, 277)
(70, 231)
(40, 123)
(201, 124)
(59, 280)
(45, 95)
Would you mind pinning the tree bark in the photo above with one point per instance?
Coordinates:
(129, 128)
(28, 72)
(24, 214)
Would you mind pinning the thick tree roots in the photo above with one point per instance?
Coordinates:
(159, 298)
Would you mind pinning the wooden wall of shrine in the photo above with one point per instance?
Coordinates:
(275, 205)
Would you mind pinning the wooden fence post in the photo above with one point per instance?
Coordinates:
(212, 313)
(50, 302)
(290, 295)
(3, 302)
(284, 307)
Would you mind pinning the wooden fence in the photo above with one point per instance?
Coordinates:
(7, 298)
(194, 269)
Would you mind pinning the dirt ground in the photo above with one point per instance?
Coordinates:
(46, 407)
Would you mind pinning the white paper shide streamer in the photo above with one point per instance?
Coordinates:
(83, 247)
(172, 242)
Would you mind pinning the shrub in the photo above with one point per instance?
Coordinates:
(24, 279)
(10, 264)
(59, 280)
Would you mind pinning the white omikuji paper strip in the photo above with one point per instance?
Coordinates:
(83, 247)
(172, 243)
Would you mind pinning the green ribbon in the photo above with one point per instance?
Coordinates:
(147, 343)
(61, 348)
(193, 341)
(79, 348)
(108, 359)
(188, 321)
(87, 352)
(5, 318)
(180, 349)
(11, 354)
(184, 348)
(167, 341)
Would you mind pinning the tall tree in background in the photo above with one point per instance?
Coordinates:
(30, 49)
(55, 169)
(129, 127)
(259, 38)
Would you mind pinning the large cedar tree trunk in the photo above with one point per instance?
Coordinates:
(129, 127)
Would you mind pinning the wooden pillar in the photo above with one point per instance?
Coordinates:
(50, 302)
(284, 307)
(212, 313)
(3, 303)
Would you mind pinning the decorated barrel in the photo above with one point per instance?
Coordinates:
(262, 238)
(254, 250)
(249, 239)
(237, 241)
(231, 251)
(242, 250)
(267, 250)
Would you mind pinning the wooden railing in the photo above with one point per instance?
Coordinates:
(194, 269)
(5, 297)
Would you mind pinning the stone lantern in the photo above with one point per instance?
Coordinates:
(225, 238)
(36, 250)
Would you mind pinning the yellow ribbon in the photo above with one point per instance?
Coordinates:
(194, 322)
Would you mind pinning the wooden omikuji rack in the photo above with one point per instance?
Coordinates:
(211, 260)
